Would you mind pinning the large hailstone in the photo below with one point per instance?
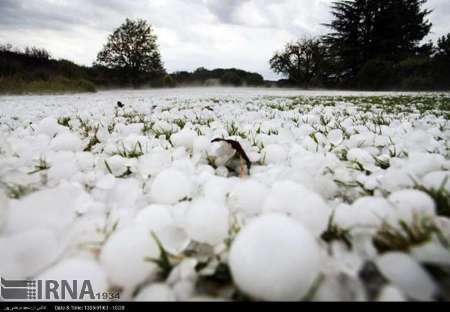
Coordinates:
(66, 141)
(50, 208)
(123, 256)
(155, 218)
(25, 254)
(408, 275)
(435, 180)
(185, 138)
(367, 213)
(274, 154)
(299, 202)
(158, 219)
(80, 270)
(408, 203)
(248, 196)
(50, 126)
(274, 258)
(170, 186)
(208, 222)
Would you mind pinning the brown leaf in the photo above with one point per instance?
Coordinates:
(238, 148)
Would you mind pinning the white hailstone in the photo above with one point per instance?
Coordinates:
(422, 163)
(216, 188)
(406, 274)
(156, 293)
(66, 141)
(185, 166)
(123, 256)
(154, 162)
(174, 238)
(125, 194)
(27, 253)
(50, 126)
(170, 186)
(201, 144)
(155, 218)
(370, 211)
(62, 170)
(4, 204)
(50, 208)
(85, 161)
(207, 222)
(394, 179)
(299, 202)
(183, 278)
(274, 258)
(408, 203)
(79, 270)
(432, 253)
(106, 182)
(185, 138)
(116, 164)
(391, 293)
(248, 196)
(274, 154)
(179, 153)
(437, 179)
(335, 136)
(361, 156)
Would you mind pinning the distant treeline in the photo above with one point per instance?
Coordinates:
(33, 70)
(203, 77)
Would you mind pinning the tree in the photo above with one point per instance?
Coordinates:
(37, 53)
(441, 64)
(443, 47)
(300, 61)
(364, 30)
(133, 49)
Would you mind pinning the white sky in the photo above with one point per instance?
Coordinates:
(192, 33)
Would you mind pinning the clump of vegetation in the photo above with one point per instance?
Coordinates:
(17, 191)
(441, 197)
(421, 230)
(42, 165)
(163, 262)
(335, 233)
(136, 152)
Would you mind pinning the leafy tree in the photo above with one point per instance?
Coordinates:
(364, 30)
(37, 53)
(300, 61)
(441, 64)
(443, 47)
(133, 48)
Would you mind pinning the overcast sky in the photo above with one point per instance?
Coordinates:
(192, 33)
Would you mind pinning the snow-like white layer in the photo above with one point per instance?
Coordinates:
(83, 184)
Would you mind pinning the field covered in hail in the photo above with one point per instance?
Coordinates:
(346, 198)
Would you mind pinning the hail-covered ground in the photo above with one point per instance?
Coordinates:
(346, 198)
